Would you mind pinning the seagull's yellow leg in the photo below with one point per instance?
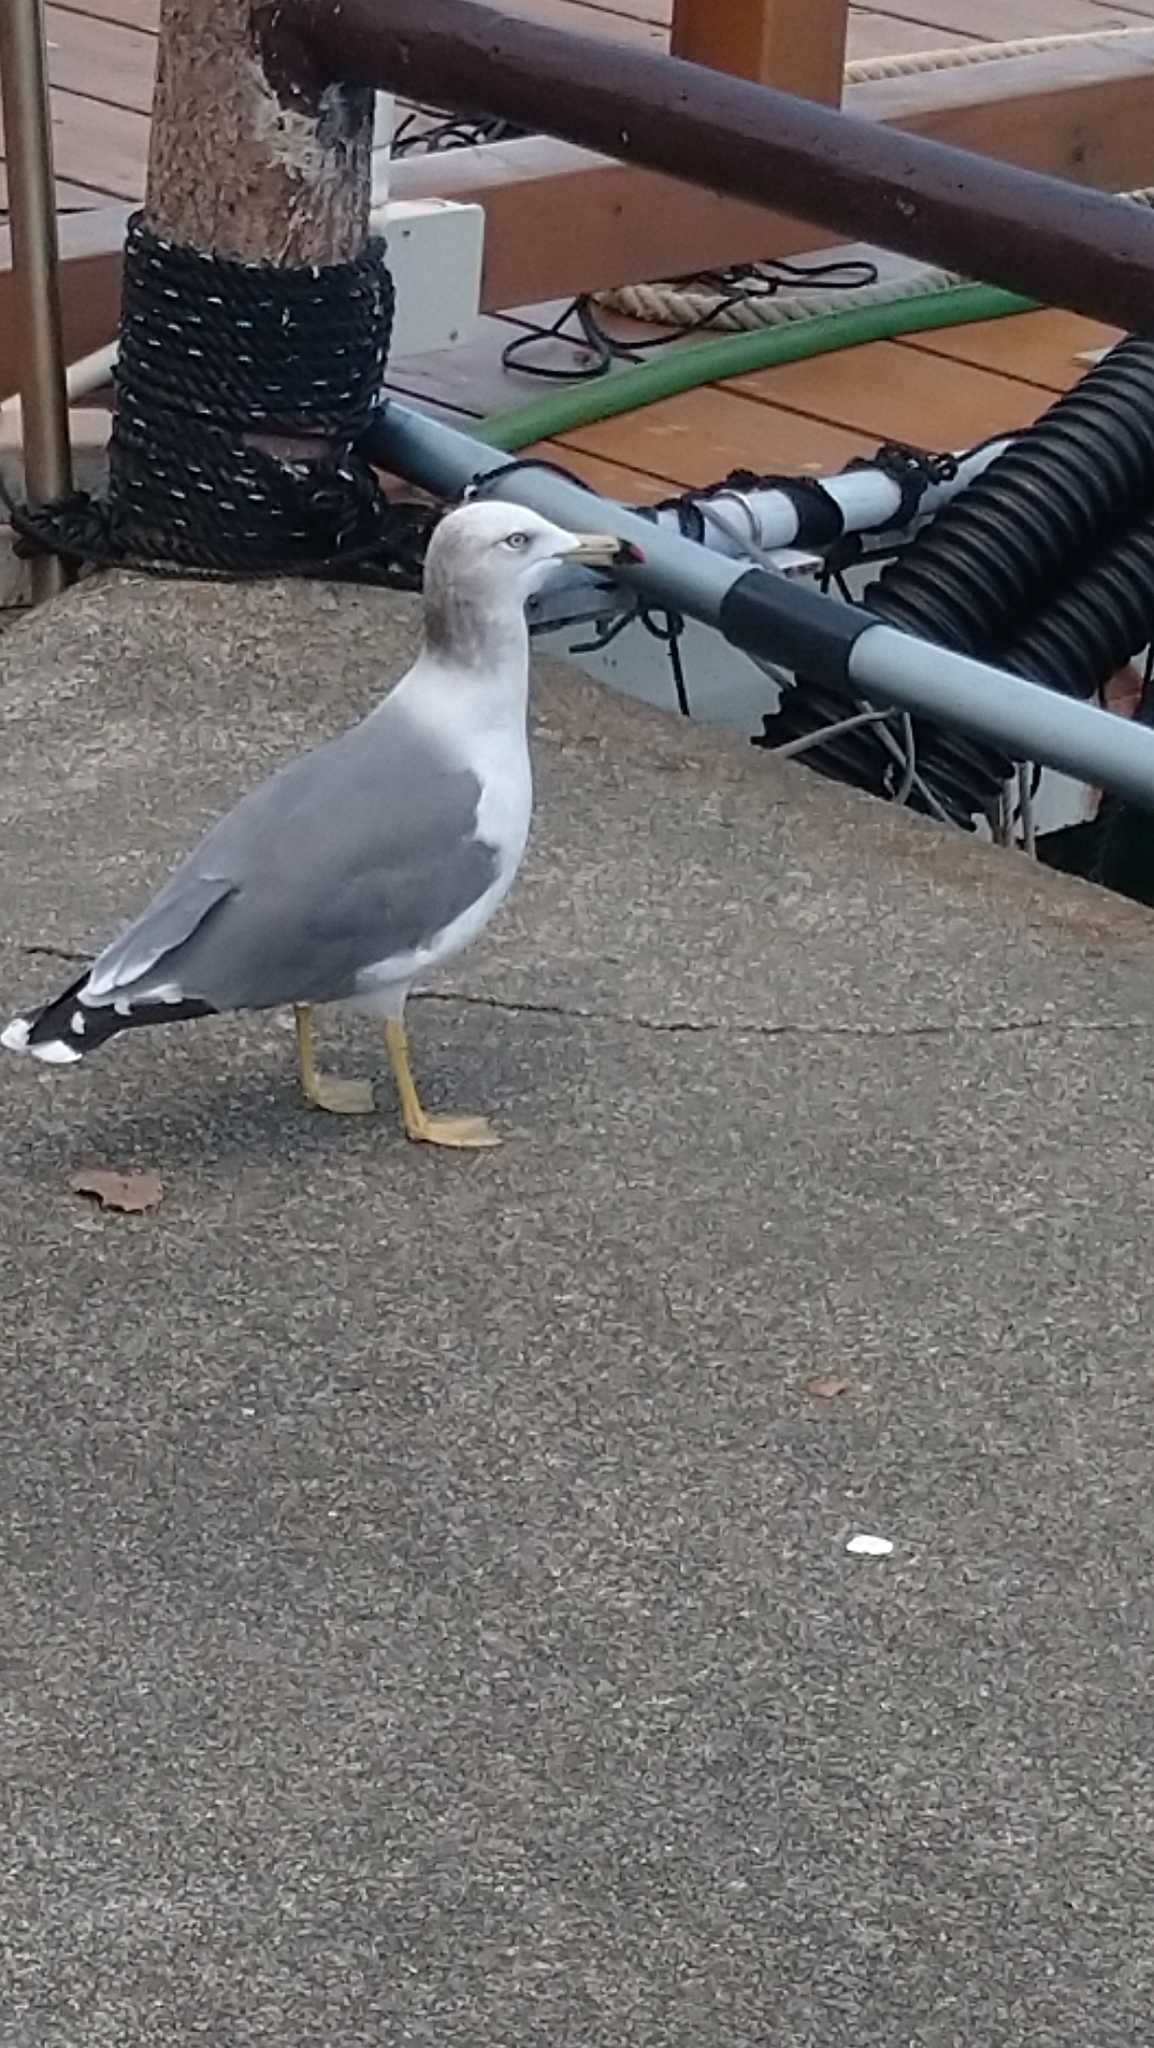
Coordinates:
(466, 1133)
(324, 1091)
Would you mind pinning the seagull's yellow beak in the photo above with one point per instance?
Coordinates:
(602, 548)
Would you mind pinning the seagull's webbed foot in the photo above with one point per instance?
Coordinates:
(461, 1133)
(326, 1091)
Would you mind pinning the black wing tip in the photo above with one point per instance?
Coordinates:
(68, 1028)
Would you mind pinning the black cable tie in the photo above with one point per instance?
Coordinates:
(482, 484)
(819, 516)
(913, 470)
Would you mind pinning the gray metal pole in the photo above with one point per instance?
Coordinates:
(444, 461)
(1021, 719)
(1025, 720)
(32, 208)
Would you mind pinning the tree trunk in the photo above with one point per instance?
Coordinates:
(251, 156)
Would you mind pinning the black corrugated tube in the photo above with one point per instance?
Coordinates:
(1080, 641)
(1097, 624)
(981, 579)
(1050, 503)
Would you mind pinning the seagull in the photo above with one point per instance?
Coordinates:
(366, 862)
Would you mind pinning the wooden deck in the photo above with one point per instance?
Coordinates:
(102, 56)
(937, 391)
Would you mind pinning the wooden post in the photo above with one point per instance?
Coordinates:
(251, 154)
(797, 45)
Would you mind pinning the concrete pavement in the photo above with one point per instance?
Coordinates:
(427, 1614)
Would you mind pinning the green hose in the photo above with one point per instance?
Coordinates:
(735, 355)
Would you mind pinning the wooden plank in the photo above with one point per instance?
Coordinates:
(1005, 21)
(798, 45)
(88, 33)
(871, 32)
(106, 49)
(883, 35)
(1075, 113)
(97, 145)
(1037, 348)
(703, 435)
(470, 377)
(617, 17)
(70, 198)
(985, 20)
(642, 10)
(612, 479)
(100, 59)
(90, 254)
(895, 393)
(582, 19)
(142, 14)
(561, 220)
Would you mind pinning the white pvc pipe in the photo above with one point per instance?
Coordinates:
(739, 523)
(90, 372)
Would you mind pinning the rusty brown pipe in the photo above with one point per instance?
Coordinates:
(1040, 236)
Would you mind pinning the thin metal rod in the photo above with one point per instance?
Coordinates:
(1058, 242)
(1024, 720)
(32, 209)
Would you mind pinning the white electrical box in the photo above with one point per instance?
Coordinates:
(436, 248)
(435, 252)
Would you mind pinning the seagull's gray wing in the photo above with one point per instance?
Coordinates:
(359, 852)
(171, 917)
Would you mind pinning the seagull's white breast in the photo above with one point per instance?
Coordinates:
(499, 758)
(504, 811)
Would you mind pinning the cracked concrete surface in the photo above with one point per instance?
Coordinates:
(736, 1026)
(740, 1027)
(427, 1612)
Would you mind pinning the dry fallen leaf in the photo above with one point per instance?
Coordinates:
(130, 1192)
(827, 1390)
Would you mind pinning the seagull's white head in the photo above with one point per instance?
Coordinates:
(486, 559)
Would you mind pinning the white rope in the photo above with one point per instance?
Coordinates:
(867, 69)
(678, 304)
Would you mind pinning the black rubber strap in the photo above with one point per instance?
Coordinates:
(779, 619)
(819, 516)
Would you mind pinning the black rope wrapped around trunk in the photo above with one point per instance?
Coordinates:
(216, 356)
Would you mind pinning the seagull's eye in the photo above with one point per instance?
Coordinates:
(517, 541)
